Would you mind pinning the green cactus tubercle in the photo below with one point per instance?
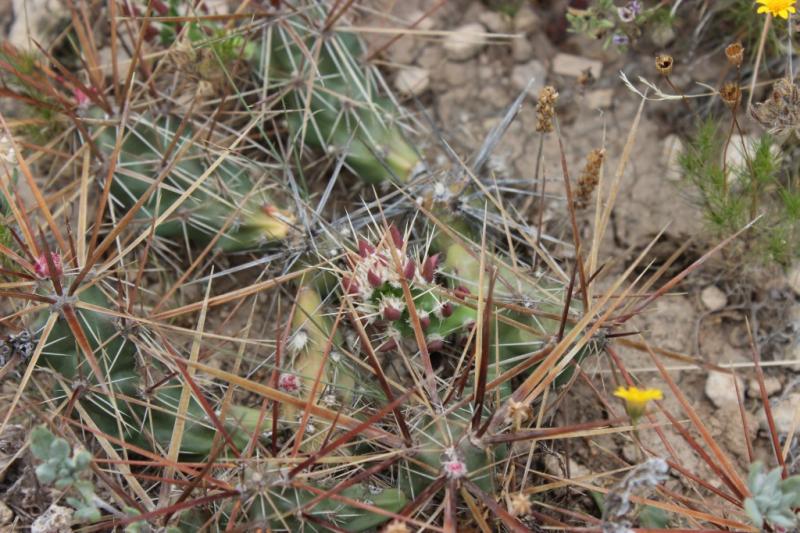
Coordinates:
(149, 147)
(333, 102)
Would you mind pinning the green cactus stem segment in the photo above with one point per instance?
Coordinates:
(332, 102)
(230, 190)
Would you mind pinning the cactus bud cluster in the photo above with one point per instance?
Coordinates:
(375, 284)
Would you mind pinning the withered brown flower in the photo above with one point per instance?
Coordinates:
(780, 112)
(735, 54)
(664, 64)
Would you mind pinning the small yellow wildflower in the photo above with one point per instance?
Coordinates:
(777, 8)
(636, 399)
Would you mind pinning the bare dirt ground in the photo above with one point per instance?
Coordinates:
(704, 319)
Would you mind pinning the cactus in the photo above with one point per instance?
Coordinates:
(130, 374)
(141, 410)
(448, 444)
(230, 189)
(332, 100)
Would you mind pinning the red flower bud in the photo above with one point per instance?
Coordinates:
(396, 237)
(408, 270)
(435, 345)
(374, 279)
(42, 269)
(461, 292)
(429, 267)
(447, 309)
(350, 285)
(424, 321)
(390, 313)
(388, 346)
(365, 248)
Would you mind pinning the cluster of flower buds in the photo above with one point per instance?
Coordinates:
(375, 284)
(453, 467)
(42, 266)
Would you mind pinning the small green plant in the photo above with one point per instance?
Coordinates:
(773, 498)
(65, 471)
(618, 26)
(732, 195)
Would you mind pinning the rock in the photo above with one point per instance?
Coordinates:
(425, 24)
(465, 41)
(35, 20)
(106, 67)
(721, 390)
(456, 75)
(403, 51)
(526, 20)
(771, 384)
(495, 22)
(670, 157)
(571, 65)
(599, 99)
(577, 470)
(794, 279)
(735, 156)
(662, 35)
(521, 49)
(56, 519)
(713, 298)
(431, 57)
(217, 7)
(785, 413)
(522, 74)
(553, 466)
(412, 81)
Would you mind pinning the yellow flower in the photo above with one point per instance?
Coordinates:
(636, 399)
(778, 8)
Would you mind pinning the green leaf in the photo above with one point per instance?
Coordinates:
(41, 439)
(46, 474)
(82, 460)
(753, 512)
(88, 514)
(59, 449)
(653, 518)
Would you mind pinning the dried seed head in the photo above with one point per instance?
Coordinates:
(735, 54)
(519, 504)
(664, 64)
(731, 94)
(590, 177)
(586, 78)
(546, 109)
(518, 412)
(299, 341)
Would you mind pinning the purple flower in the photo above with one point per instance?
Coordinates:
(620, 39)
(635, 6)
